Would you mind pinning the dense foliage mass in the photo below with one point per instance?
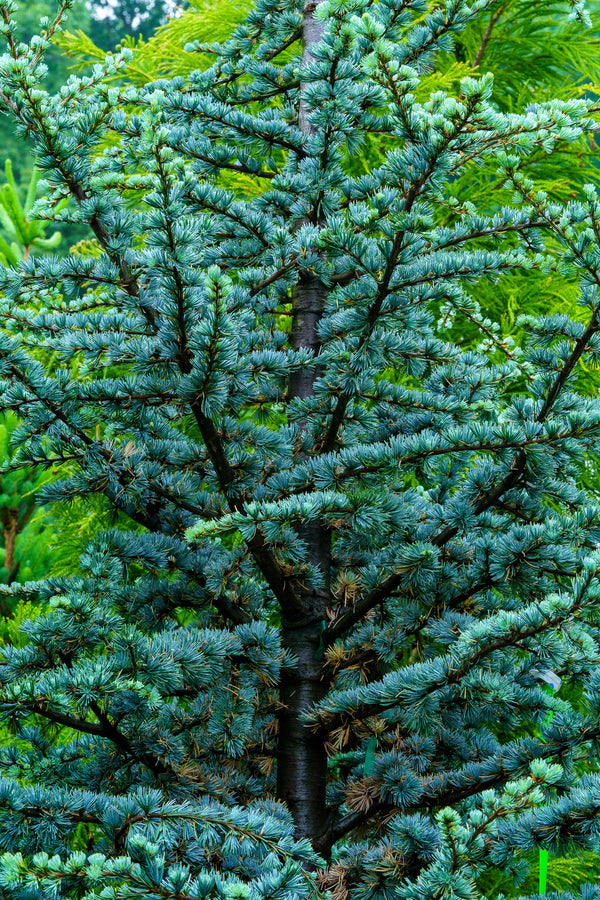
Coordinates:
(350, 545)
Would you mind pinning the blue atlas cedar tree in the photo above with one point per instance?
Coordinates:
(346, 548)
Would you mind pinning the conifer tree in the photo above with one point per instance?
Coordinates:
(347, 552)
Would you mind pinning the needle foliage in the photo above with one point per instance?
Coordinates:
(535, 53)
(351, 528)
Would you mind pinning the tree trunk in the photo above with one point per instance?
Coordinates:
(307, 308)
(9, 526)
(301, 756)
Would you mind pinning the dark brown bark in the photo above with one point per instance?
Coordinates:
(487, 35)
(311, 33)
(301, 756)
(9, 527)
(307, 309)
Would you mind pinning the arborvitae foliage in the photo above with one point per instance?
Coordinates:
(311, 653)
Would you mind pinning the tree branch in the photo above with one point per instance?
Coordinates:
(487, 35)
(485, 502)
(68, 721)
(433, 799)
(337, 417)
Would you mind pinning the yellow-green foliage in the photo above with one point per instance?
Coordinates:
(11, 626)
(533, 50)
(564, 874)
(164, 55)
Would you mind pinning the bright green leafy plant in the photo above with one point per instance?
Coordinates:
(22, 233)
(346, 538)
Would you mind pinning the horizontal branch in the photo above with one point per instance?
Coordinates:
(68, 721)
(261, 285)
(280, 585)
(433, 799)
